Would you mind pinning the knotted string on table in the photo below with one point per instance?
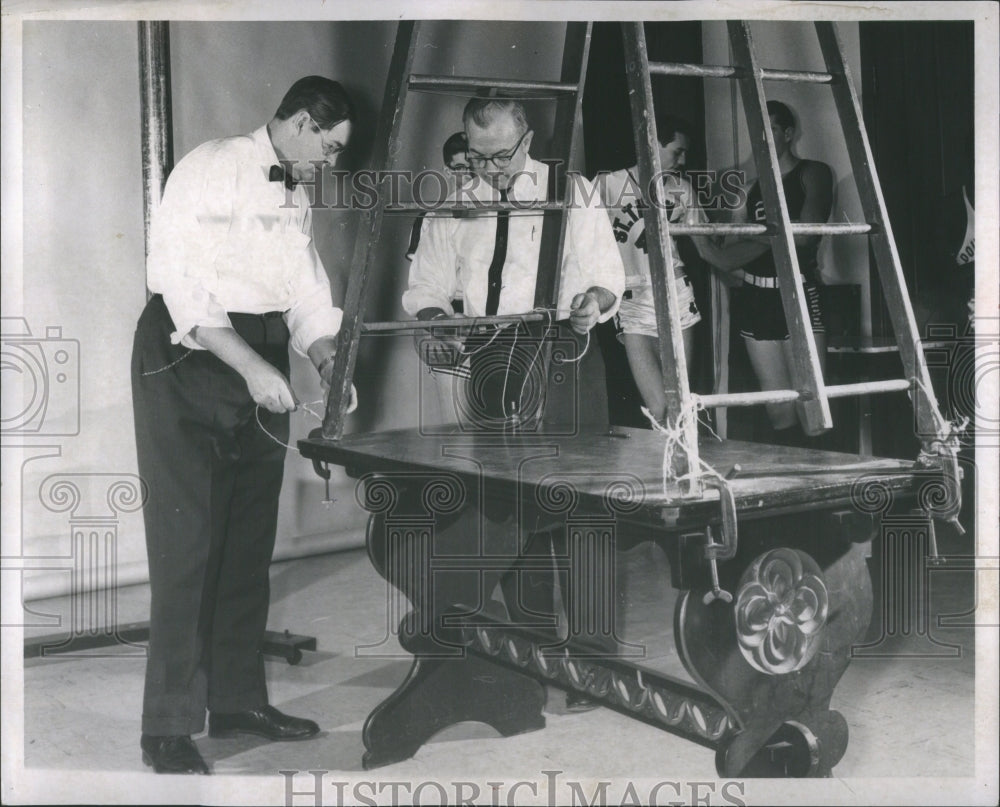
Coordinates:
(674, 440)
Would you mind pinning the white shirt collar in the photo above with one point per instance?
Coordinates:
(264, 146)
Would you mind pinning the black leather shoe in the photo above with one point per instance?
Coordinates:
(264, 722)
(174, 754)
(578, 702)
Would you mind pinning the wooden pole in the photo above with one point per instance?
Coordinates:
(383, 158)
(157, 128)
(675, 379)
(805, 368)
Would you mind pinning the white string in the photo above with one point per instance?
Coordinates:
(303, 407)
(506, 375)
(583, 352)
(496, 333)
(948, 430)
(674, 438)
(549, 312)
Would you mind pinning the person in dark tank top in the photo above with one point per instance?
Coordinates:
(757, 308)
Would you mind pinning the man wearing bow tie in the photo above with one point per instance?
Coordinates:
(235, 278)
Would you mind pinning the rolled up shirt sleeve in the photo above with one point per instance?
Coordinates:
(433, 280)
(592, 258)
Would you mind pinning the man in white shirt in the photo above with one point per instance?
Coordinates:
(494, 260)
(235, 278)
(626, 200)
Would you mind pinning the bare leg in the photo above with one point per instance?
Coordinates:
(688, 334)
(644, 360)
(770, 365)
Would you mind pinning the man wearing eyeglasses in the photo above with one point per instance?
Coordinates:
(494, 259)
(235, 278)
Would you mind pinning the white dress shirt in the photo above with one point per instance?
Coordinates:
(456, 253)
(226, 239)
(625, 200)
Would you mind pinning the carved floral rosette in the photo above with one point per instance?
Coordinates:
(781, 609)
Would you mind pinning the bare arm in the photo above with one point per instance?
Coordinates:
(730, 256)
(817, 182)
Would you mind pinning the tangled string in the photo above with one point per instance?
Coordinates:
(781, 609)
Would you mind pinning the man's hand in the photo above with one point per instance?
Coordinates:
(585, 311)
(438, 347)
(324, 366)
(269, 388)
(351, 405)
(732, 278)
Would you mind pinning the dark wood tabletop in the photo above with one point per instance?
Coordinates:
(623, 464)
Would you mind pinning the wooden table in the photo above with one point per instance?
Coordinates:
(764, 621)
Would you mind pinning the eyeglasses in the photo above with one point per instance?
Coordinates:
(329, 149)
(500, 160)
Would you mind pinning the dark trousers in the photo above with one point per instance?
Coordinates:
(213, 479)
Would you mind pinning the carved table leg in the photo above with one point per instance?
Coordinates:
(442, 692)
(446, 685)
(775, 655)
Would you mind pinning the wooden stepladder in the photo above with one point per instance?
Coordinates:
(809, 388)
(567, 93)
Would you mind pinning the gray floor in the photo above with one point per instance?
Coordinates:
(908, 716)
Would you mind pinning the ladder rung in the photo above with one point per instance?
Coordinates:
(747, 398)
(471, 211)
(463, 84)
(695, 70)
(729, 71)
(840, 228)
(718, 228)
(721, 228)
(788, 395)
(868, 388)
(800, 76)
(403, 326)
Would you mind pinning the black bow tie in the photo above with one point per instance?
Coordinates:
(279, 174)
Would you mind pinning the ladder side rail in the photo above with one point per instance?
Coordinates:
(675, 377)
(807, 375)
(929, 421)
(555, 222)
(383, 155)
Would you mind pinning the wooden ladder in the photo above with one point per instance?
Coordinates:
(567, 92)
(810, 390)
